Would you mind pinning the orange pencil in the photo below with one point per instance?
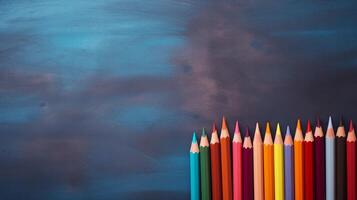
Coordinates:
(298, 162)
(226, 162)
(268, 150)
(258, 164)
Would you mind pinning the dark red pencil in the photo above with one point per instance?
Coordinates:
(247, 169)
(320, 183)
(309, 163)
(216, 165)
(351, 163)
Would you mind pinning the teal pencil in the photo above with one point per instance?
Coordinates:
(330, 161)
(194, 169)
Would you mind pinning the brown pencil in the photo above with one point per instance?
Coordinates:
(341, 162)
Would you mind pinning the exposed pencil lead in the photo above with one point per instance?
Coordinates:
(247, 132)
(341, 121)
(224, 123)
(256, 127)
(214, 128)
(278, 132)
(288, 130)
(203, 132)
(351, 125)
(318, 123)
(267, 129)
(236, 130)
(298, 126)
(308, 129)
(194, 139)
(330, 122)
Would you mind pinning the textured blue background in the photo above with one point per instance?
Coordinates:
(98, 99)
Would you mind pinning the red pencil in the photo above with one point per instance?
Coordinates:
(309, 163)
(320, 182)
(351, 163)
(247, 168)
(216, 165)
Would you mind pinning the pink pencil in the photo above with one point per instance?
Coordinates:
(237, 164)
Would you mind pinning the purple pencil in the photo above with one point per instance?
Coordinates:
(289, 165)
(247, 168)
(319, 163)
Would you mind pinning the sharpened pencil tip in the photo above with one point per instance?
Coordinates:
(247, 132)
(308, 129)
(351, 125)
(236, 129)
(330, 122)
(267, 129)
(214, 128)
(287, 130)
(194, 139)
(256, 127)
(318, 123)
(224, 123)
(341, 121)
(278, 132)
(298, 126)
(203, 132)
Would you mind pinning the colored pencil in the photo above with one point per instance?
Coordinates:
(247, 167)
(268, 149)
(289, 165)
(237, 164)
(319, 169)
(278, 165)
(205, 167)
(341, 162)
(299, 162)
(216, 165)
(330, 161)
(258, 164)
(226, 162)
(309, 163)
(194, 169)
(351, 163)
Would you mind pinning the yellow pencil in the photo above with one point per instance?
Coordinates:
(279, 165)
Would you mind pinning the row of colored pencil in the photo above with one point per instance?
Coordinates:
(303, 168)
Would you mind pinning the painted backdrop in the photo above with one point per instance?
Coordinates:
(98, 99)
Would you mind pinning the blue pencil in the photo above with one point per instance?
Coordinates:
(194, 169)
(289, 165)
(330, 161)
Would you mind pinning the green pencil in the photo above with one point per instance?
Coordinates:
(205, 167)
